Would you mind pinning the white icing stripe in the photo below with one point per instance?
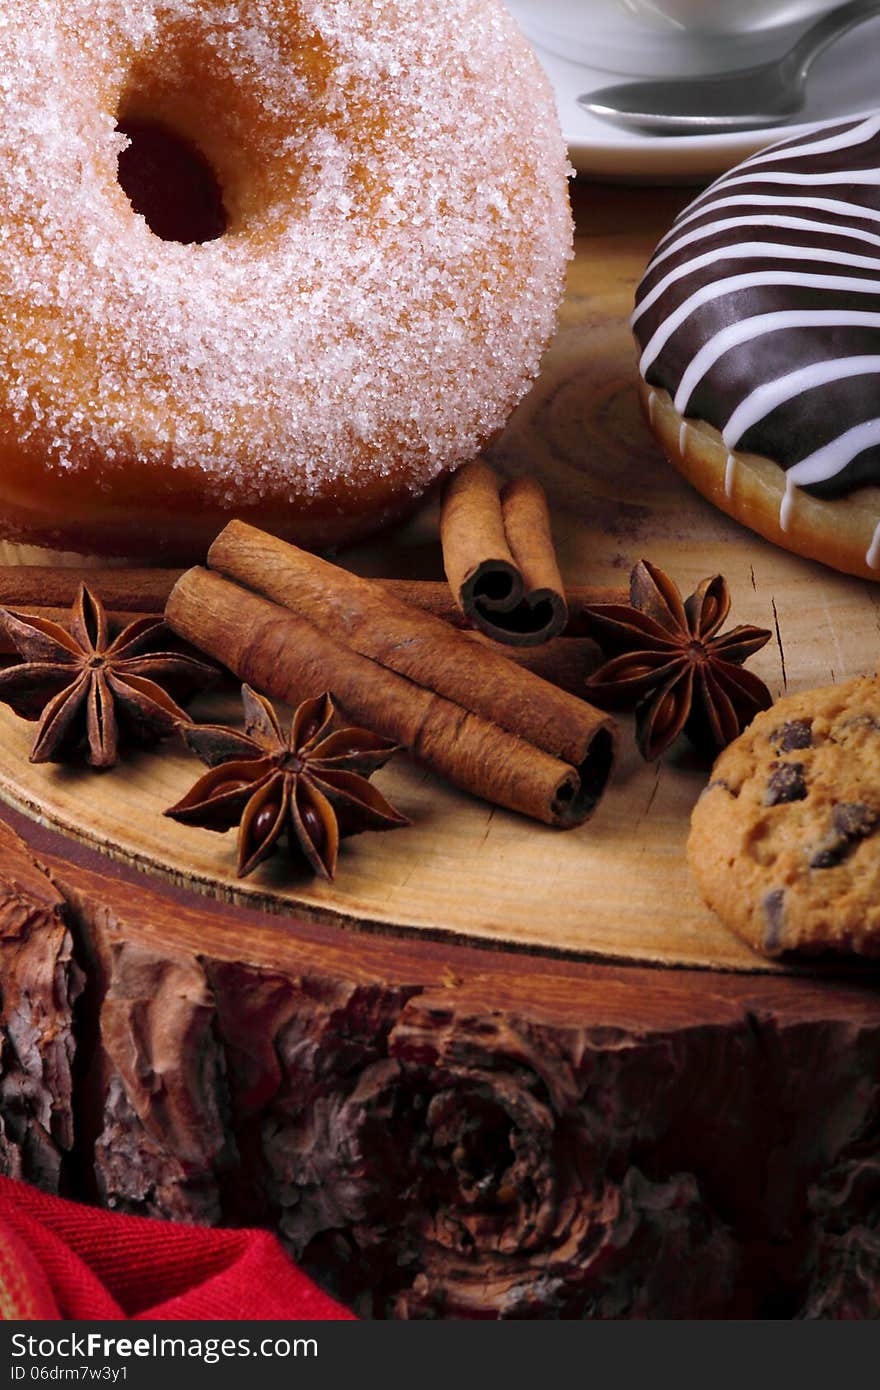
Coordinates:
(779, 150)
(729, 472)
(770, 200)
(828, 461)
(872, 558)
(747, 330)
(731, 284)
(867, 177)
(794, 224)
(765, 399)
(787, 504)
(798, 147)
(751, 250)
(844, 139)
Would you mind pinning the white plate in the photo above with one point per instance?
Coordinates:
(844, 82)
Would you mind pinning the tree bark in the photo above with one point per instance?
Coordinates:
(437, 1131)
(40, 984)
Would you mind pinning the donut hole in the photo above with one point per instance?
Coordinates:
(170, 182)
(223, 126)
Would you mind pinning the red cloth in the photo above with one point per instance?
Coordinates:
(62, 1260)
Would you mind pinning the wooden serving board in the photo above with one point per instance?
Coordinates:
(619, 887)
(434, 1128)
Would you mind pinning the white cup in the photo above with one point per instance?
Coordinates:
(660, 38)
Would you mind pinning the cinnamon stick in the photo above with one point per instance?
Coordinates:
(477, 558)
(565, 662)
(527, 524)
(415, 644)
(499, 558)
(49, 590)
(56, 586)
(282, 653)
(437, 598)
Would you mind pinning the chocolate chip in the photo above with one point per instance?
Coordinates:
(774, 912)
(854, 819)
(831, 851)
(851, 822)
(786, 783)
(795, 733)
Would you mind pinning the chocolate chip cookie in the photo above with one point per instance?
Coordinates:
(785, 839)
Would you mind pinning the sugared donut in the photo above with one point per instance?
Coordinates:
(393, 186)
(758, 322)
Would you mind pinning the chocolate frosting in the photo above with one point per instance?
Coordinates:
(759, 311)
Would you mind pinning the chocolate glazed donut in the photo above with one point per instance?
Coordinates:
(378, 275)
(758, 324)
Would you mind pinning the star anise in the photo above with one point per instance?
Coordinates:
(311, 784)
(672, 667)
(88, 691)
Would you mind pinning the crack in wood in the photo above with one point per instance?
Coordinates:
(779, 643)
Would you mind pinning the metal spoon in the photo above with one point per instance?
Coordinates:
(766, 95)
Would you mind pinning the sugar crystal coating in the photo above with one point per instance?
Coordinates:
(395, 183)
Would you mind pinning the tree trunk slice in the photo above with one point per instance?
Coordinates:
(432, 1128)
(437, 1130)
(462, 868)
(617, 888)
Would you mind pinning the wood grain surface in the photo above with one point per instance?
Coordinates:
(619, 887)
(437, 1129)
